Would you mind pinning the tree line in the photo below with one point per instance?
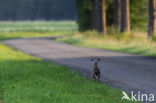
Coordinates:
(37, 9)
(97, 14)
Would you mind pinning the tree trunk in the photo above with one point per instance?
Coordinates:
(93, 16)
(97, 23)
(99, 16)
(152, 18)
(125, 16)
(117, 13)
(104, 17)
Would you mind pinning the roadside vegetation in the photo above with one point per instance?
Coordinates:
(134, 43)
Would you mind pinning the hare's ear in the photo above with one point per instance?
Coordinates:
(98, 60)
(92, 60)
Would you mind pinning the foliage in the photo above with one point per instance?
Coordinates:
(84, 14)
(138, 13)
(110, 12)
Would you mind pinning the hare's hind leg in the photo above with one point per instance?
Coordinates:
(94, 77)
(98, 77)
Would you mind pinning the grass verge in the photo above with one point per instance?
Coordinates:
(135, 43)
(26, 79)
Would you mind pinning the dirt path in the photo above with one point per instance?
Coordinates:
(129, 72)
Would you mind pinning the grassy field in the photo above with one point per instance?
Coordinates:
(134, 43)
(39, 26)
(27, 29)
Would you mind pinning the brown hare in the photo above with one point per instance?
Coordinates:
(96, 70)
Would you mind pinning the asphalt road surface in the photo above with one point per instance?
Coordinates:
(125, 71)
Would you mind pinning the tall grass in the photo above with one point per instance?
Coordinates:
(136, 42)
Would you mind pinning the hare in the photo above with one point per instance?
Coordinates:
(96, 70)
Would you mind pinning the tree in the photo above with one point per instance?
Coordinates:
(139, 14)
(117, 13)
(88, 14)
(93, 16)
(152, 18)
(85, 14)
(104, 16)
(99, 16)
(125, 16)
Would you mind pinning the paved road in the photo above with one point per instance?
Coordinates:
(129, 72)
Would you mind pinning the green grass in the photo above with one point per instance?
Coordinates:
(27, 29)
(29, 34)
(38, 26)
(134, 43)
(26, 79)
